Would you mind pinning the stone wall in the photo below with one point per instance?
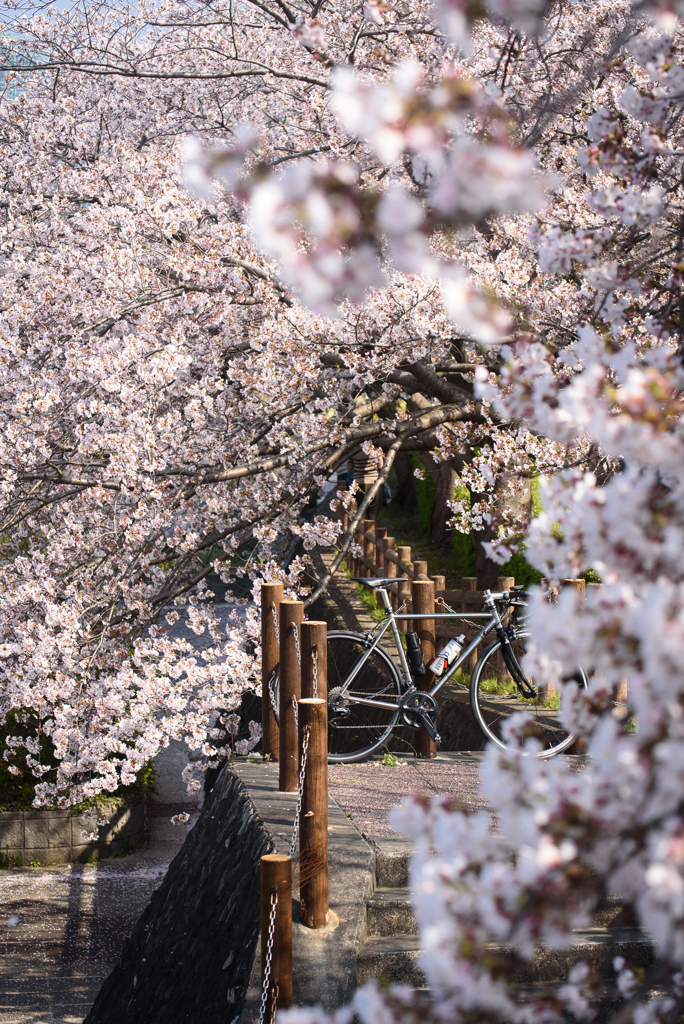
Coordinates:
(190, 955)
(53, 836)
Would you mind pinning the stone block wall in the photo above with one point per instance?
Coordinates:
(190, 955)
(53, 836)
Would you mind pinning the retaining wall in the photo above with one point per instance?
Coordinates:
(190, 955)
(53, 836)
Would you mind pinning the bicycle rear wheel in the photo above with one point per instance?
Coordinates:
(494, 697)
(355, 731)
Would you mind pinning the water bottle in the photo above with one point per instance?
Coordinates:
(452, 650)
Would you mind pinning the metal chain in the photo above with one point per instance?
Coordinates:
(300, 794)
(272, 693)
(274, 613)
(296, 640)
(315, 672)
(296, 714)
(269, 959)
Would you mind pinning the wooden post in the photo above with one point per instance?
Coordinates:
(380, 534)
(368, 547)
(276, 873)
(391, 569)
(420, 570)
(469, 583)
(403, 589)
(439, 582)
(314, 647)
(423, 595)
(502, 673)
(313, 824)
(291, 618)
(271, 596)
(579, 586)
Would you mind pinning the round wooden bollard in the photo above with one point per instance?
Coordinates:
(271, 596)
(469, 584)
(368, 544)
(578, 585)
(291, 618)
(313, 824)
(423, 594)
(276, 874)
(315, 651)
(380, 534)
(420, 569)
(504, 583)
(403, 589)
(390, 567)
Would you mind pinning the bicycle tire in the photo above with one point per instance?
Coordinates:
(349, 739)
(491, 709)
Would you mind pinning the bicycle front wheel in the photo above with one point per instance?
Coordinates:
(355, 731)
(494, 697)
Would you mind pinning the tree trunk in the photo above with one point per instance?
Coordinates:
(444, 476)
(406, 491)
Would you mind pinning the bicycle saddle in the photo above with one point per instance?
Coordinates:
(379, 581)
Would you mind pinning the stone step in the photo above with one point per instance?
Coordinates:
(391, 958)
(390, 912)
(397, 958)
(392, 858)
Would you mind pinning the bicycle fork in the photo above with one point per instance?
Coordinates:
(504, 635)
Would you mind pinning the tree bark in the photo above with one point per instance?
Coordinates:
(406, 491)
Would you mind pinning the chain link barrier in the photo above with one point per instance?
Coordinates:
(274, 613)
(300, 793)
(314, 658)
(267, 968)
(272, 692)
(452, 612)
(298, 649)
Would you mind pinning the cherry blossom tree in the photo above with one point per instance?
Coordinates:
(455, 229)
(588, 294)
(167, 395)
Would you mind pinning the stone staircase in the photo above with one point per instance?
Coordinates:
(391, 951)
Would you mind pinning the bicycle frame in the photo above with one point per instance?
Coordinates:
(493, 620)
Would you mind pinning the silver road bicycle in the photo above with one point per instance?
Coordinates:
(371, 694)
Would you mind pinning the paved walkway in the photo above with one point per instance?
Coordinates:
(62, 929)
(370, 790)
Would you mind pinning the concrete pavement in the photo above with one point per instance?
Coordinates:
(62, 929)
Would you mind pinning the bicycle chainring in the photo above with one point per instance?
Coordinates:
(419, 711)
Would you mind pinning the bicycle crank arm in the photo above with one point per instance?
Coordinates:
(429, 726)
(419, 711)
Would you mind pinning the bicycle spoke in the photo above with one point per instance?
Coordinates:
(355, 730)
